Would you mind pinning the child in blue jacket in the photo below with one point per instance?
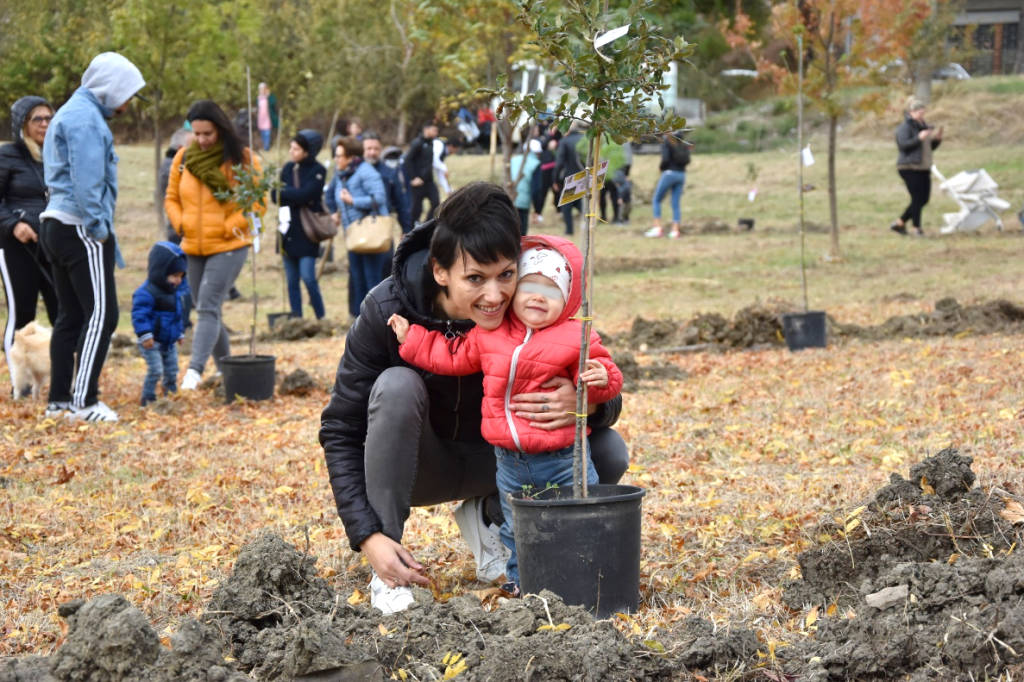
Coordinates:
(158, 317)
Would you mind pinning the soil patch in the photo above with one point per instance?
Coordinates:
(299, 328)
(606, 265)
(760, 325)
(275, 618)
(646, 377)
(949, 318)
(298, 382)
(922, 581)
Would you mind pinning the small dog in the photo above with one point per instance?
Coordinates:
(30, 359)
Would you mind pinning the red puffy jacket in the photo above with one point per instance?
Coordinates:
(515, 359)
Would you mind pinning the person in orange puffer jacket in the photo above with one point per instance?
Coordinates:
(538, 340)
(215, 234)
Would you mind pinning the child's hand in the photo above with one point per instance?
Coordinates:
(595, 374)
(400, 326)
(148, 343)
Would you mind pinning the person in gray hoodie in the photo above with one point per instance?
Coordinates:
(77, 234)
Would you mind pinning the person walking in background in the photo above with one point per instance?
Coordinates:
(675, 157)
(522, 168)
(215, 234)
(266, 114)
(419, 170)
(77, 234)
(394, 180)
(158, 317)
(915, 140)
(567, 162)
(302, 185)
(356, 191)
(544, 176)
(24, 268)
(182, 137)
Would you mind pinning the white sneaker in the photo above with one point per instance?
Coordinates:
(653, 232)
(485, 542)
(191, 380)
(56, 409)
(673, 234)
(389, 600)
(98, 412)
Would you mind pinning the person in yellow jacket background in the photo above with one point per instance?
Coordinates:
(215, 234)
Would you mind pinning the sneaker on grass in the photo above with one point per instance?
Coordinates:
(57, 409)
(483, 540)
(190, 380)
(97, 412)
(389, 600)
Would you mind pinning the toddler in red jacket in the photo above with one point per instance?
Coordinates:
(537, 341)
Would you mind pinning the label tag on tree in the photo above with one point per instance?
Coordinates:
(577, 185)
(611, 35)
(807, 156)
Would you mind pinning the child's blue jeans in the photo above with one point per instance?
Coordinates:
(161, 362)
(516, 470)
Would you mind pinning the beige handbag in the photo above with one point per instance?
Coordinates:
(370, 234)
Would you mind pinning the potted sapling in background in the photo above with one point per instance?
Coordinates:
(584, 543)
(806, 329)
(250, 376)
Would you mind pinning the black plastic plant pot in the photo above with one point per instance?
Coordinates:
(274, 318)
(746, 223)
(804, 330)
(248, 376)
(585, 550)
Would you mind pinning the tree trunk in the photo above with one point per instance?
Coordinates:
(833, 124)
(158, 201)
(403, 123)
(922, 74)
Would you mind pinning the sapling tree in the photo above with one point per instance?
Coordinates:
(611, 64)
(249, 192)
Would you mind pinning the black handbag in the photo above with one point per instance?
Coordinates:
(317, 225)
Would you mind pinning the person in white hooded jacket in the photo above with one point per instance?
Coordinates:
(77, 234)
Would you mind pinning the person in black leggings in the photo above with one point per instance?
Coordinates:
(24, 268)
(916, 140)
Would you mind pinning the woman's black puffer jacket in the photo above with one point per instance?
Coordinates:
(22, 188)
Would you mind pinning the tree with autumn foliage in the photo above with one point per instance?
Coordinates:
(846, 44)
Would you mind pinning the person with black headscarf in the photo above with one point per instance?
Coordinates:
(24, 268)
(302, 185)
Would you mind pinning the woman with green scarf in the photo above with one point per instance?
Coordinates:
(215, 234)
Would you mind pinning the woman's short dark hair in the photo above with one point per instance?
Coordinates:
(477, 219)
(207, 110)
(353, 146)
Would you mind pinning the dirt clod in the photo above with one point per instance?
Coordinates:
(924, 581)
(108, 639)
(298, 328)
(298, 382)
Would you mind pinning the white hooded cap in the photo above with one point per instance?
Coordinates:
(113, 79)
(548, 262)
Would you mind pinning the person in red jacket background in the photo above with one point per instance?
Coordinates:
(537, 340)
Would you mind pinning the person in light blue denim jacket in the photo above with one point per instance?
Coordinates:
(356, 191)
(77, 233)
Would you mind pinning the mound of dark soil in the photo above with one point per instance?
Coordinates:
(609, 264)
(275, 618)
(759, 325)
(922, 581)
(299, 328)
(947, 319)
(637, 377)
(755, 325)
(298, 382)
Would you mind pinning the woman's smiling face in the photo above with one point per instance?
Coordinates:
(480, 292)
